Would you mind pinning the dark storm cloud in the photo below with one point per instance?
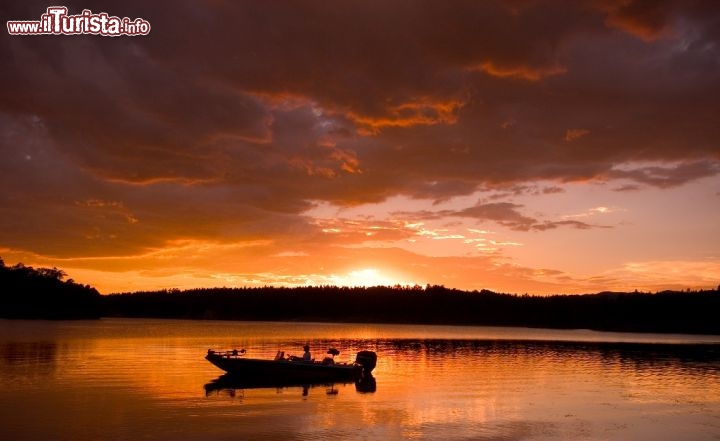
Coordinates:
(51, 206)
(507, 214)
(671, 176)
(230, 116)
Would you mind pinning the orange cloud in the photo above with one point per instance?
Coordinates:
(418, 112)
(647, 20)
(519, 72)
(575, 134)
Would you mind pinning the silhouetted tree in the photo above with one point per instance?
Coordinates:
(435, 304)
(26, 292)
(51, 273)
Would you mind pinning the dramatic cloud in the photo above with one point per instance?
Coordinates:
(667, 176)
(506, 214)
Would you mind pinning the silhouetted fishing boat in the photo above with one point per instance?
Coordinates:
(292, 368)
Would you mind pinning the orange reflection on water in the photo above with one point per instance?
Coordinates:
(470, 382)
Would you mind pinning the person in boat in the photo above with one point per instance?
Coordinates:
(307, 356)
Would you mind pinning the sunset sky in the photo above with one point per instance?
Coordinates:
(518, 146)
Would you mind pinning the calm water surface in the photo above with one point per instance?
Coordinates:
(122, 379)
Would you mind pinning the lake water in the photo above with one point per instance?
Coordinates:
(136, 379)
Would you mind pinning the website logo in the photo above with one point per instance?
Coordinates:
(56, 22)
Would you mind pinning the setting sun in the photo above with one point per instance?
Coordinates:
(367, 277)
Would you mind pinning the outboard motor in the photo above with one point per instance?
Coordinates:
(368, 360)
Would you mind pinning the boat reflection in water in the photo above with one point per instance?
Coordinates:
(231, 383)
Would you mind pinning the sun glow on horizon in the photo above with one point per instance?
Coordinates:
(367, 277)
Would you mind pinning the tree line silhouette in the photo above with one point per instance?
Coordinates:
(668, 311)
(26, 292)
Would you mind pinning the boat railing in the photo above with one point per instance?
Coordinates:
(227, 354)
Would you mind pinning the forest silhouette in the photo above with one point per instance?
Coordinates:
(666, 312)
(28, 292)
(41, 293)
